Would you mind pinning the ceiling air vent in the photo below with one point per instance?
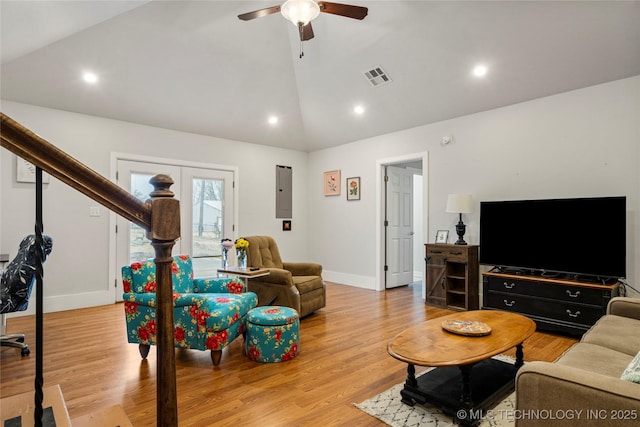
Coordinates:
(377, 76)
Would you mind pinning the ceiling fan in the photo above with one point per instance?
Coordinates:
(302, 12)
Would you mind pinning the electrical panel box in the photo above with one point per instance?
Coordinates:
(284, 198)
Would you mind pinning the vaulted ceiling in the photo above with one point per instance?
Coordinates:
(194, 66)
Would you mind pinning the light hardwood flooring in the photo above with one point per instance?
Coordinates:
(343, 360)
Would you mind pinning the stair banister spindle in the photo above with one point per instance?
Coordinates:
(159, 216)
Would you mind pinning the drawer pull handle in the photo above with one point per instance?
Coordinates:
(576, 295)
(436, 252)
(577, 313)
(456, 253)
(509, 285)
(509, 304)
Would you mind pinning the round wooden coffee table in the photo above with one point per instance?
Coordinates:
(462, 392)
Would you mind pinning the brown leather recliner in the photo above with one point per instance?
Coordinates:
(298, 285)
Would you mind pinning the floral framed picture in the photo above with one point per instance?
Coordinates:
(353, 188)
(331, 184)
(442, 236)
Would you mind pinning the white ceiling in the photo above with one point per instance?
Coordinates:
(194, 66)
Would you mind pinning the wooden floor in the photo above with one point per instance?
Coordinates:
(343, 360)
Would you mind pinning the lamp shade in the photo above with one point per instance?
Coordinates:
(459, 203)
(300, 12)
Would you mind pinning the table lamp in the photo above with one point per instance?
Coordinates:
(460, 203)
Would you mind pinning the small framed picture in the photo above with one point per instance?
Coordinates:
(26, 172)
(353, 188)
(442, 236)
(286, 225)
(331, 183)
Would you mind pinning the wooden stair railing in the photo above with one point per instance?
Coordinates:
(159, 216)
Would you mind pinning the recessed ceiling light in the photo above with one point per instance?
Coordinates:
(358, 109)
(273, 120)
(90, 77)
(479, 70)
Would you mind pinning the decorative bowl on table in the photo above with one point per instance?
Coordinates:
(470, 328)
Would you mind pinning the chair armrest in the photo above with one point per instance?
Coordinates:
(553, 387)
(626, 307)
(303, 268)
(217, 285)
(276, 276)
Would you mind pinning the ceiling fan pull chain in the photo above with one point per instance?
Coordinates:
(300, 30)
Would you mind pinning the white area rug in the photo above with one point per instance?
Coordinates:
(388, 407)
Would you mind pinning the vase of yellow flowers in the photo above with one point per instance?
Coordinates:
(241, 252)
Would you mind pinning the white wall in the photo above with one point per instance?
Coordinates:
(577, 144)
(76, 273)
(581, 143)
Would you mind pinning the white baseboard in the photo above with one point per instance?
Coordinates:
(350, 279)
(67, 302)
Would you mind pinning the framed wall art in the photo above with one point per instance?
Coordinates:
(442, 236)
(331, 186)
(26, 172)
(353, 188)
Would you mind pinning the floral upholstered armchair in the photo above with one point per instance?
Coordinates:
(208, 312)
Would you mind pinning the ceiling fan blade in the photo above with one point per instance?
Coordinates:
(306, 32)
(350, 11)
(259, 13)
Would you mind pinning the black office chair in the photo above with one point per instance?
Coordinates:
(16, 284)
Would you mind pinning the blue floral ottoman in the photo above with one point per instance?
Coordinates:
(272, 334)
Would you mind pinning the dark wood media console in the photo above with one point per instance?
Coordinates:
(562, 305)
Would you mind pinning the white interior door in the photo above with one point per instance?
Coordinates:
(399, 229)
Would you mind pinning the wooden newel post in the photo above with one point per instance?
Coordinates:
(163, 233)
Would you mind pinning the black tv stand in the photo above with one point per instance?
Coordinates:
(556, 304)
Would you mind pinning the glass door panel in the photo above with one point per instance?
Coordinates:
(211, 214)
(139, 246)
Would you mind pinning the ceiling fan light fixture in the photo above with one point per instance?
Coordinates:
(300, 12)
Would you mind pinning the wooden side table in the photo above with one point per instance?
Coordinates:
(243, 273)
(451, 276)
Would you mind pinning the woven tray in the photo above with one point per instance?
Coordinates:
(470, 328)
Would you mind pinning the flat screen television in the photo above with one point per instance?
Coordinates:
(578, 236)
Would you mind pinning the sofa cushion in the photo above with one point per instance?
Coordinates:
(615, 332)
(595, 358)
(632, 372)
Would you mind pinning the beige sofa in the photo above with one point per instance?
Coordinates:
(583, 387)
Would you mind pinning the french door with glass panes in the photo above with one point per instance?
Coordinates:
(206, 214)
